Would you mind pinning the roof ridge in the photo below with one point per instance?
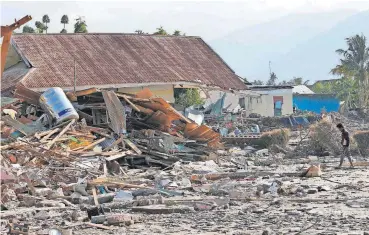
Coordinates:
(123, 34)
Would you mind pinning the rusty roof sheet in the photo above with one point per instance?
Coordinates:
(117, 59)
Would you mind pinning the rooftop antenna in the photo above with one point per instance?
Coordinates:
(270, 68)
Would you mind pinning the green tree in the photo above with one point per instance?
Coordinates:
(188, 97)
(297, 81)
(45, 20)
(160, 31)
(177, 33)
(40, 27)
(257, 82)
(64, 20)
(354, 65)
(139, 31)
(28, 29)
(80, 26)
(272, 80)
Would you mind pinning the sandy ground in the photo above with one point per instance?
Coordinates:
(342, 209)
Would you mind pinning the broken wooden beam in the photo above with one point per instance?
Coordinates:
(65, 129)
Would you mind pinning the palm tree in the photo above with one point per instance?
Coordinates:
(272, 80)
(355, 65)
(46, 20)
(64, 20)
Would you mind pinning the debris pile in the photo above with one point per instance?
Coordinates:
(103, 160)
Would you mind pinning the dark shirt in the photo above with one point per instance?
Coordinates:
(345, 138)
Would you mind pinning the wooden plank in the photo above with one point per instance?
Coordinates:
(26, 130)
(96, 201)
(39, 135)
(132, 146)
(120, 155)
(93, 144)
(50, 144)
(105, 169)
(116, 112)
(129, 102)
(115, 143)
(44, 139)
(99, 226)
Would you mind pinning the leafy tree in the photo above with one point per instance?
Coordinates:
(28, 29)
(272, 80)
(46, 20)
(40, 27)
(355, 65)
(64, 20)
(177, 33)
(257, 82)
(344, 89)
(160, 31)
(139, 31)
(294, 82)
(80, 26)
(188, 97)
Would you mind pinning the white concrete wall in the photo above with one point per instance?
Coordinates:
(265, 105)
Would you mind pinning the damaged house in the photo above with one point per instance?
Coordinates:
(126, 62)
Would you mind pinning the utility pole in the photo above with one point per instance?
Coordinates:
(75, 76)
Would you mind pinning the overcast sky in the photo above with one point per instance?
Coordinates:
(208, 19)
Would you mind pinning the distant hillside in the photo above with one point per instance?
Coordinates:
(314, 59)
(249, 50)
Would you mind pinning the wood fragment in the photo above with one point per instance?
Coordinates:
(99, 226)
(105, 169)
(29, 184)
(44, 139)
(93, 144)
(39, 135)
(112, 181)
(120, 155)
(132, 146)
(115, 143)
(96, 201)
(65, 129)
(129, 102)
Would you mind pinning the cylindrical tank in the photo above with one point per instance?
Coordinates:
(56, 104)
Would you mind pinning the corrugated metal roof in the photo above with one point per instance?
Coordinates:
(115, 59)
(301, 89)
(12, 76)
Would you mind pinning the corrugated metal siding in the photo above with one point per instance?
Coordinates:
(122, 58)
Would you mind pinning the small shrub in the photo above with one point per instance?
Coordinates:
(362, 141)
(325, 136)
(278, 137)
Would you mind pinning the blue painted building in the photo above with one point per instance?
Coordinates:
(316, 102)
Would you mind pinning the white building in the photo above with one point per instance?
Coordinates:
(273, 100)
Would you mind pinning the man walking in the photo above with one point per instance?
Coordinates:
(346, 145)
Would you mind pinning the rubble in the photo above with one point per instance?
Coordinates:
(126, 159)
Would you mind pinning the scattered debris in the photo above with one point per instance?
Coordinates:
(108, 160)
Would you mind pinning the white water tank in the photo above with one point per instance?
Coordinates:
(57, 105)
